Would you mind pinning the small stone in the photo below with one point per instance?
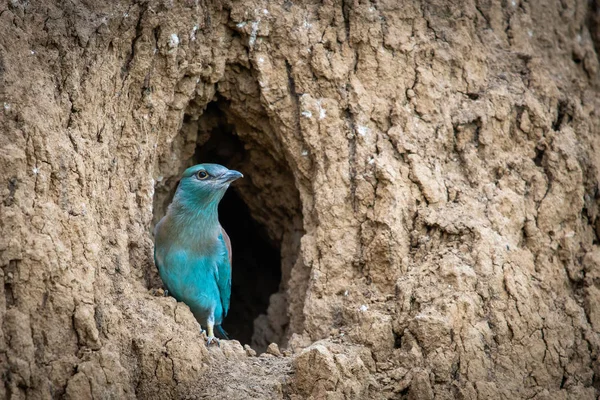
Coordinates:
(383, 366)
(173, 40)
(410, 93)
(232, 349)
(274, 350)
(250, 352)
(157, 292)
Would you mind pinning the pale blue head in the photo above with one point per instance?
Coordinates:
(204, 185)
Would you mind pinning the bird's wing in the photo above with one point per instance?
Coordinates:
(227, 244)
(224, 278)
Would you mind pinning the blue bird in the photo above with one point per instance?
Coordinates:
(192, 250)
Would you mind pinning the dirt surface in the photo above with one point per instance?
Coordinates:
(429, 171)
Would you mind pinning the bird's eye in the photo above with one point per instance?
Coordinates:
(202, 175)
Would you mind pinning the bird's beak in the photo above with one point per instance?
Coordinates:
(231, 176)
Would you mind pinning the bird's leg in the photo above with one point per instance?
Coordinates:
(211, 335)
(166, 292)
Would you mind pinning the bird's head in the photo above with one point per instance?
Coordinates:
(206, 183)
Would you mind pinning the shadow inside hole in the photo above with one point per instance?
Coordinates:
(256, 273)
(256, 268)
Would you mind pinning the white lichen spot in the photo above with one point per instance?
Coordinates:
(322, 112)
(197, 80)
(173, 40)
(307, 25)
(159, 179)
(346, 292)
(266, 12)
(513, 3)
(362, 130)
(261, 60)
(241, 24)
(253, 33)
(193, 33)
(35, 170)
(304, 153)
(579, 38)
(371, 161)
(32, 52)
(151, 191)
(6, 106)
(371, 9)
(155, 50)
(125, 15)
(530, 33)
(306, 114)
(364, 308)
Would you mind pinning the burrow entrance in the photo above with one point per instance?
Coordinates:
(256, 221)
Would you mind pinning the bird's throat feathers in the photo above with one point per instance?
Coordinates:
(195, 215)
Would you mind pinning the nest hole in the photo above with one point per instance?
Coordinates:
(258, 311)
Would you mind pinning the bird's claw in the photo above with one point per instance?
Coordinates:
(212, 339)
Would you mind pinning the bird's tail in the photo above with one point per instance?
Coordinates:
(220, 332)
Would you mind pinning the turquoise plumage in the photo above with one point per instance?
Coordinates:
(192, 251)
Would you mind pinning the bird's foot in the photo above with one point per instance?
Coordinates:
(166, 292)
(211, 335)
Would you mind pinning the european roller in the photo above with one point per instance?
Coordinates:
(192, 250)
